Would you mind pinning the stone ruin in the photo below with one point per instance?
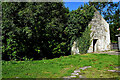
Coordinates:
(100, 35)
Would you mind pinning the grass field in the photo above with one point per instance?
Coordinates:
(63, 66)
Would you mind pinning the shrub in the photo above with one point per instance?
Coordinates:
(33, 30)
(84, 42)
(78, 29)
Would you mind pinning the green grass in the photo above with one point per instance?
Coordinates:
(0, 66)
(61, 67)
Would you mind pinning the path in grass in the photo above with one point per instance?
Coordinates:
(109, 52)
(63, 66)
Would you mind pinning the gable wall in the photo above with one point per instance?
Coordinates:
(100, 31)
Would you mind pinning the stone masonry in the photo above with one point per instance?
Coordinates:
(100, 35)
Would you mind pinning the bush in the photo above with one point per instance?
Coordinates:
(33, 30)
(84, 42)
(41, 30)
(78, 29)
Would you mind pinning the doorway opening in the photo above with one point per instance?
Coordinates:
(94, 43)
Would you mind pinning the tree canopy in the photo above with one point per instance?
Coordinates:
(34, 30)
(110, 11)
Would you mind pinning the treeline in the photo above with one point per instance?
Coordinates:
(41, 30)
(32, 30)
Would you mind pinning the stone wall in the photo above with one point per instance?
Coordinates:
(74, 49)
(100, 35)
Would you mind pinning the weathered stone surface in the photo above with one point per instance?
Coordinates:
(118, 71)
(100, 33)
(117, 67)
(119, 42)
(67, 77)
(109, 52)
(114, 71)
(76, 71)
(74, 74)
(74, 49)
(83, 68)
(80, 76)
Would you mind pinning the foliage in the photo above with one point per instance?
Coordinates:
(84, 42)
(77, 23)
(33, 30)
(110, 11)
(115, 22)
(61, 67)
(99, 6)
(41, 30)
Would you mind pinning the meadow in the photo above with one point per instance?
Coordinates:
(63, 66)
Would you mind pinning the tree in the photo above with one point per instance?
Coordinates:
(77, 24)
(110, 11)
(99, 6)
(33, 30)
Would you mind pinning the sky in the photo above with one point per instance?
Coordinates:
(75, 5)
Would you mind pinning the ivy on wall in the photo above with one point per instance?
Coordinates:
(78, 29)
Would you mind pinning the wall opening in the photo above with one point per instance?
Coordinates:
(94, 43)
